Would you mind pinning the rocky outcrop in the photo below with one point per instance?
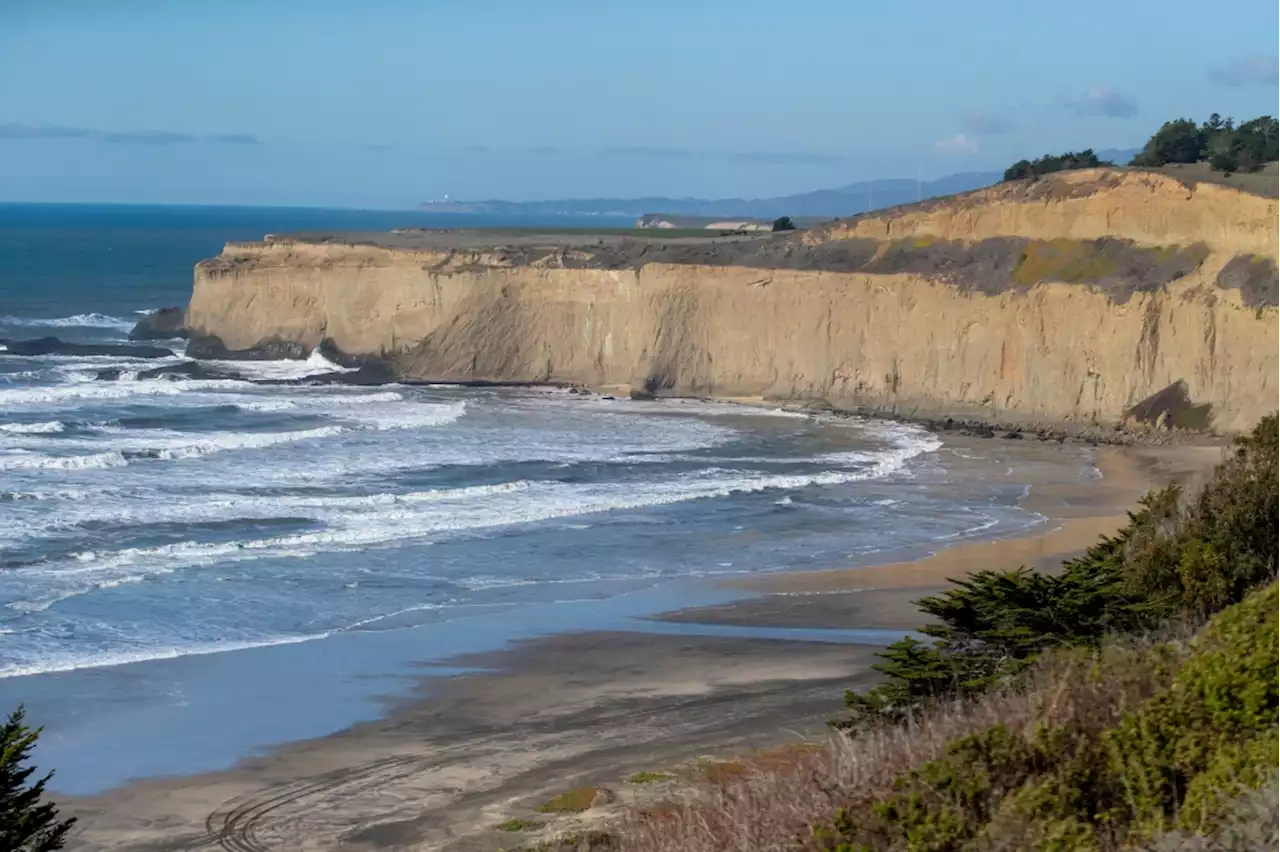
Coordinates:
(211, 347)
(161, 324)
(53, 346)
(1072, 299)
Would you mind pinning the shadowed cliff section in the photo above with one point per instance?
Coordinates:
(1070, 299)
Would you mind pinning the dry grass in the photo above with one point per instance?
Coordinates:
(771, 808)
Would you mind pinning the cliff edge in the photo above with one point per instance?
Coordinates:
(1090, 297)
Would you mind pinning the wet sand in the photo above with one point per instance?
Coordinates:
(441, 770)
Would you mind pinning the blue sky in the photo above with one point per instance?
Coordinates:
(384, 103)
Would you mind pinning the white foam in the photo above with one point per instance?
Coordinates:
(407, 416)
(71, 662)
(118, 390)
(45, 428)
(49, 494)
(90, 320)
(265, 405)
(160, 445)
(313, 365)
(392, 520)
(37, 461)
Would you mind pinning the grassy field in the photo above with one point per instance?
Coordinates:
(1265, 181)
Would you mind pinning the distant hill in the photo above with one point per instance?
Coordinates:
(821, 204)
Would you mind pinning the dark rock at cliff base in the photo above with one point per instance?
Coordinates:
(172, 372)
(162, 324)
(54, 346)
(190, 370)
(370, 373)
(210, 347)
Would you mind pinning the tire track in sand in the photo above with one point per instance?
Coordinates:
(235, 825)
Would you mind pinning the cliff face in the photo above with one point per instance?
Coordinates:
(1074, 298)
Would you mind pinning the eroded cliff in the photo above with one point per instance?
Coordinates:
(1070, 299)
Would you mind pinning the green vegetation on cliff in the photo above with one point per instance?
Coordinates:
(1050, 163)
(1226, 147)
(1220, 142)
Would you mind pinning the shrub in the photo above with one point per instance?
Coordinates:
(784, 223)
(574, 801)
(27, 822)
(1176, 558)
(1086, 778)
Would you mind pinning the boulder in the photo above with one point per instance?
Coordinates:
(190, 370)
(162, 324)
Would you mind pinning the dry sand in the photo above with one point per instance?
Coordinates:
(442, 770)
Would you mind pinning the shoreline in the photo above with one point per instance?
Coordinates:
(1077, 516)
(442, 768)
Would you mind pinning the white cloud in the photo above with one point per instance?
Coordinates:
(960, 143)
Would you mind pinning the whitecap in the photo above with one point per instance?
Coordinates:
(89, 320)
(45, 428)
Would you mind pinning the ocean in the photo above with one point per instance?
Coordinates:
(193, 571)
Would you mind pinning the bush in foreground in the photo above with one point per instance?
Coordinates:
(27, 822)
(1042, 717)
(1095, 776)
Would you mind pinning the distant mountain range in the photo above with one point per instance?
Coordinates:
(846, 200)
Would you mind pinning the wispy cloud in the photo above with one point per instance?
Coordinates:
(1103, 101)
(477, 149)
(760, 158)
(127, 137)
(987, 124)
(43, 131)
(645, 152)
(1256, 70)
(235, 139)
(958, 144)
(787, 158)
(147, 137)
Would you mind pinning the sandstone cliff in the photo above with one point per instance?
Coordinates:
(1070, 299)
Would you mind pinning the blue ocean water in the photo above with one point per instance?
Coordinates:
(176, 552)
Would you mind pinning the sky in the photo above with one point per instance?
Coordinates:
(386, 103)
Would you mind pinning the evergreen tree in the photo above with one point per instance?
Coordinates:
(27, 822)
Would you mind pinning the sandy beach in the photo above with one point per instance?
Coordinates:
(443, 768)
